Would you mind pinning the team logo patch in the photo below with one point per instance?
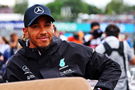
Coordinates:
(64, 68)
(38, 10)
(62, 63)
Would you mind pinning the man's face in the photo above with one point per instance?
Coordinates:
(96, 27)
(40, 33)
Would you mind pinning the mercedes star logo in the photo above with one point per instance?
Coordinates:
(38, 10)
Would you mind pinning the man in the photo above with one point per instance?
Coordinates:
(94, 26)
(95, 35)
(45, 56)
(118, 51)
(75, 38)
(13, 46)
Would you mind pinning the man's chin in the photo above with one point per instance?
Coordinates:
(44, 45)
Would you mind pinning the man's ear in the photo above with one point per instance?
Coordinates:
(24, 30)
(25, 33)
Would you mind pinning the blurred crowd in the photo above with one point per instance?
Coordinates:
(9, 47)
(94, 37)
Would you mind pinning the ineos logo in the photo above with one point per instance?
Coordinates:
(38, 10)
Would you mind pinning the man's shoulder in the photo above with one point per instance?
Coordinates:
(78, 47)
(19, 53)
(16, 57)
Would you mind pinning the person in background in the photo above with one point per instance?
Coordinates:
(81, 36)
(129, 41)
(13, 43)
(3, 45)
(118, 51)
(13, 46)
(43, 55)
(134, 45)
(56, 33)
(95, 35)
(1, 62)
(75, 38)
(94, 26)
(5, 40)
(62, 36)
(95, 39)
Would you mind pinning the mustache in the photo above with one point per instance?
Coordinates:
(41, 36)
(47, 34)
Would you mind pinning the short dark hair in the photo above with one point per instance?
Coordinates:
(112, 30)
(94, 24)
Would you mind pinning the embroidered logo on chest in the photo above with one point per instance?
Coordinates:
(64, 69)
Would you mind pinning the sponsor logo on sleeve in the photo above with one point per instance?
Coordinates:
(28, 73)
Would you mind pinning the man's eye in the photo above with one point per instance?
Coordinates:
(34, 26)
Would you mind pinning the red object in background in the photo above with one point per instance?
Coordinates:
(72, 39)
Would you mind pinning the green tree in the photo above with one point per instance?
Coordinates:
(131, 9)
(21, 7)
(94, 10)
(114, 7)
(117, 7)
(68, 10)
(55, 9)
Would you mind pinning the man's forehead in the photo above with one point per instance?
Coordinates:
(45, 18)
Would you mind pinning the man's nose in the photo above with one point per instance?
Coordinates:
(43, 30)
